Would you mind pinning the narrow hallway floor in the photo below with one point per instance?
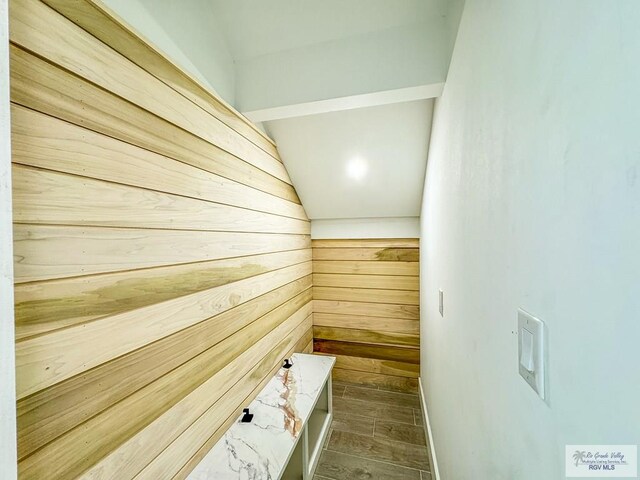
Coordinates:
(375, 434)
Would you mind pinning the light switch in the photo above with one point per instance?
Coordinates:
(531, 352)
(526, 350)
(441, 302)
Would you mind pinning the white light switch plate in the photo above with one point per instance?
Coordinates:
(441, 302)
(531, 351)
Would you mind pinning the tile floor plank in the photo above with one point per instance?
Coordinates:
(370, 409)
(399, 432)
(380, 396)
(341, 466)
(347, 422)
(403, 454)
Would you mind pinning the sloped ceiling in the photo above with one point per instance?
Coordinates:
(334, 82)
(258, 27)
(360, 163)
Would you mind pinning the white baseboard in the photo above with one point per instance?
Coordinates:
(435, 473)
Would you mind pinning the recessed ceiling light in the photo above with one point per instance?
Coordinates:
(357, 168)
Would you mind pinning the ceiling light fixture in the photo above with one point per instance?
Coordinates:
(357, 168)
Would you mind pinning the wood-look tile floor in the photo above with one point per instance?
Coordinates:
(375, 434)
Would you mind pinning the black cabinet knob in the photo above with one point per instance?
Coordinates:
(247, 417)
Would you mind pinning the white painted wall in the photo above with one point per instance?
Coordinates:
(8, 455)
(188, 33)
(532, 200)
(397, 227)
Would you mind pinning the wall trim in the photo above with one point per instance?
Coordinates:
(350, 228)
(435, 473)
(8, 449)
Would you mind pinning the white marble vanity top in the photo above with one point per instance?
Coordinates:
(260, 449)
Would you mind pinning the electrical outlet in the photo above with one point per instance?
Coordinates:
(441, 302)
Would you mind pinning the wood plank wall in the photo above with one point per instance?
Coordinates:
(366, 310)
(162, 256)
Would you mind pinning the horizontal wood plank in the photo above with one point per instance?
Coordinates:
(42, 307)
(366, 336)
(44, 141)
(162, 256)
(378, 324)
(44, 361)
(388, 282)
(407, 312)
(403, 454)
(38, 28)
(49, 413)
(390, 254)
(46, 252)
(101, 434)
(46, 197)
(41, 86)
(367, 243)
(374, 365)
(198, 433)
(366, 267)
(401, 297)
(211, 441)
(103, 24)
(400, 354)
(384, 382)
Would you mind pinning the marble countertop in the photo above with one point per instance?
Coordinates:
(260, 449)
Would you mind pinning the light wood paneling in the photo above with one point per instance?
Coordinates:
(389, 282)
(45, 252)
(391, 254)
(165, 465)
(367, 350)
(38, 28)
(366, 267)
(46, 197)
(51, 412)
(67, 352)
(379, 324)
(399, 297)
(43, 141)
(162, 258)
(41, 86)
(366, 309)
(367, 243)
(104, 25)
(46, 306)
(204, 428)
(366, 336)
(374, 365)
(98, 435)
(407, 312)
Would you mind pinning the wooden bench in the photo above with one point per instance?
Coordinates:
(283, 440)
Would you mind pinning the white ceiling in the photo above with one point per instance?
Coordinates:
(391, 140)
(259, 27)
(337, 80)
